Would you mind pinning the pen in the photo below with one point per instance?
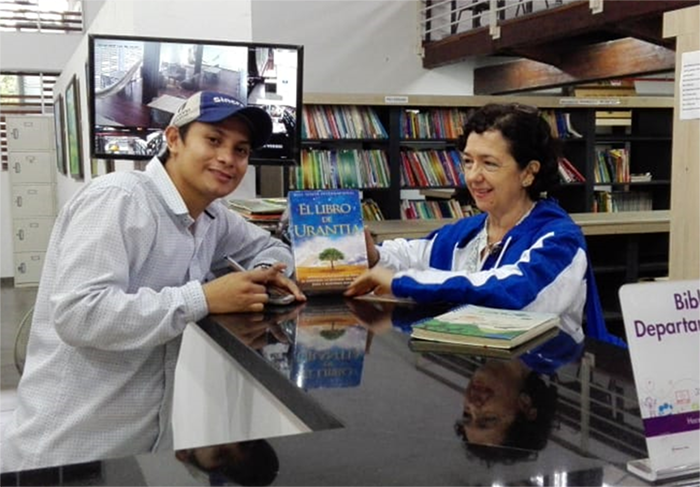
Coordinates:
(235, 265)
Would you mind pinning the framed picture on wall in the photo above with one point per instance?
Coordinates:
(60, 134)
(75, 157)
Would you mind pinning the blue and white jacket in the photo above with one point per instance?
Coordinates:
(542, 265)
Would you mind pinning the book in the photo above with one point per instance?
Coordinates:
(486, 327)
(263, 206)
(662, 322)
(428, 346)
(326, 231)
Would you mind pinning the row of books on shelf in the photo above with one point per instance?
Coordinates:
(363, 122)
(617, 201)
(341, 122)
(433, 209)
(432, 168)
(433, 124)
(612, 166)
(347, 168)
(561, 125)
(568, 172)
(371, 210)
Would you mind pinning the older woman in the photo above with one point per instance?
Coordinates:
(522, 252)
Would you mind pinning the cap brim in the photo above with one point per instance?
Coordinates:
(259, 123)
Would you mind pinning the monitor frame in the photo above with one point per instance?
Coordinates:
(288, 154)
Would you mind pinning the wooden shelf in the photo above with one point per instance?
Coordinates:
(626, 222)
(556, 102)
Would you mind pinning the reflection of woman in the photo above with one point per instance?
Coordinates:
(509, 404)
(522, 252)
(244, 463)
(508, 412)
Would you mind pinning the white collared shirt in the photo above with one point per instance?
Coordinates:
(122, 277)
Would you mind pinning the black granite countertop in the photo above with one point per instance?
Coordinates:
(383, 414)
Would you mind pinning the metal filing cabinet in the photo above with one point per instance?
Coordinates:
(32, 168)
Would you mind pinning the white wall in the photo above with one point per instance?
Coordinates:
(351, 46)
(358, 46)
(156, 18)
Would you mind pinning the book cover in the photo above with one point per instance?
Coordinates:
(486, 327)
(662, 325)
(328, 241)
(329, 349)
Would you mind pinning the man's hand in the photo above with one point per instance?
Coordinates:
(241, 292)
(377, 280)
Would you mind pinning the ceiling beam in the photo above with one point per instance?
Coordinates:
(542, 27)
(613, 59)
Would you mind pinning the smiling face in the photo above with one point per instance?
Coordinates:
(210, 161)
(495, 180)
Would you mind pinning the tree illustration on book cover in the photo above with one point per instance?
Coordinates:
(328, 240)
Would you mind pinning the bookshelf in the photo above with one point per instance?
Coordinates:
(625, 244)
(415, 147)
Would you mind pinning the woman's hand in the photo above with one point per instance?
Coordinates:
(372, 252)
(377, 280)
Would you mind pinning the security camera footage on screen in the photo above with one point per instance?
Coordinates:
(139, 84)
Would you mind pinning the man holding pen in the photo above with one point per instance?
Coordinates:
(132, 260)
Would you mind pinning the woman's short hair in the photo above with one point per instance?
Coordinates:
(528, 135)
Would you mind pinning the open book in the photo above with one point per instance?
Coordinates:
(485, 327)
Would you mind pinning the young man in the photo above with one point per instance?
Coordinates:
(130, 263)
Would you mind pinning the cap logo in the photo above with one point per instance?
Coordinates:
(220, 99)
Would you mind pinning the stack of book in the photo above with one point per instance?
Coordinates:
(478, 326)
(265, 212)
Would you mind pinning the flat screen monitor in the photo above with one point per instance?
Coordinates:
(137, 83)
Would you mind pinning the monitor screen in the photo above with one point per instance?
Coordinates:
(137, 83)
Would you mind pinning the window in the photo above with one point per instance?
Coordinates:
(23, 93)
(41, 16)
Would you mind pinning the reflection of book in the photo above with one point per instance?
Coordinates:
(328, 240)
(384, 298)
(427, 346)
(486, 327)
(329, 350)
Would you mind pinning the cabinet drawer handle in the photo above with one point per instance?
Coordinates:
(22, 268)
(20, 235)
(18, 168)
(15, 133)
(35, 257)
(19, 201)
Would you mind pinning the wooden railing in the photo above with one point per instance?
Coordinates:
(443, 18)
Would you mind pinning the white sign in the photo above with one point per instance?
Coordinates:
(689, 88)
(396, 99)
(662, 325)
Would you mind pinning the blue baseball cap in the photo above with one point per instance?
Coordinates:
(213, 107)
